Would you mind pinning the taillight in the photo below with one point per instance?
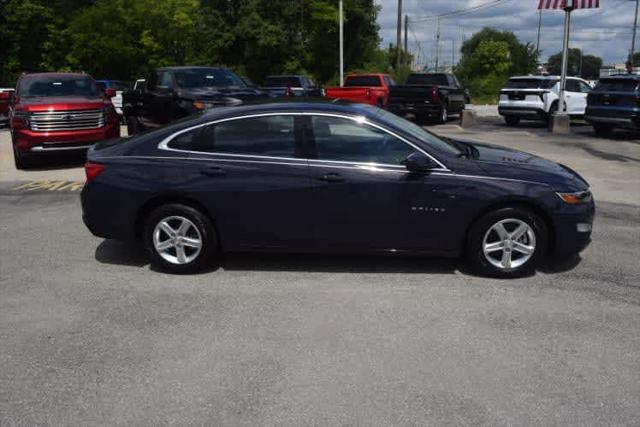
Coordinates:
(92, 170)
(435, 95)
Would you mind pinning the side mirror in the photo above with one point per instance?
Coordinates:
(418, 163)
(109, 92)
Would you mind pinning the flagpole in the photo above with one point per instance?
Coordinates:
(565, 55)
(633, 40)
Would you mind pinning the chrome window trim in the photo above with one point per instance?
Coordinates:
(164, 144)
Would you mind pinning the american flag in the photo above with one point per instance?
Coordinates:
(561, 4)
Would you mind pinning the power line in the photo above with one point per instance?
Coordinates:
(461, 11)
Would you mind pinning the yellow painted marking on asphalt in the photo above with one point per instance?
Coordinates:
(71, 186)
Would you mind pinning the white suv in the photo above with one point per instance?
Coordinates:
(536, 98)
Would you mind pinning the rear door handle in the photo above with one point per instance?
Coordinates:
(213, 171)
(331, 177)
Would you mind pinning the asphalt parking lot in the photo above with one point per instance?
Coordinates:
(90, 334)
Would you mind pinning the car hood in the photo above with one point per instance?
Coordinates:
(38, 103)
(497, 161)
(222, 95)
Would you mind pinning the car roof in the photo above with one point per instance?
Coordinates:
(622, 77)
(537, 77)
(56, 74)
(186, 67)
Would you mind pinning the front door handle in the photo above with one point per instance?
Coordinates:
(213, 171)
(331, 177)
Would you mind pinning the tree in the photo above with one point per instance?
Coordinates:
(586, 66)
(489, 58)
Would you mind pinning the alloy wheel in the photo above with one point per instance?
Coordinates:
(509, 244)
(177, 240)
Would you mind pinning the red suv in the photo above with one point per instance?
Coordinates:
(52, 112)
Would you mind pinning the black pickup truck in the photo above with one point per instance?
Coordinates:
(171, 93)
(614, 103)
(290, 86)
(428, 95)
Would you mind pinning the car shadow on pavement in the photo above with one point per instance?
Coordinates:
(114, 252)
(57, 161)
(552, 266)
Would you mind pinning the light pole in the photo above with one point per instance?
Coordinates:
(399, 34)
(633, 40)
(341, 44)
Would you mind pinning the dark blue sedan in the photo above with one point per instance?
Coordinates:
(330, 178)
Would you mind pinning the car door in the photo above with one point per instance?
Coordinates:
(251, 175)
(363, 197)
(456, 94)
(576, 96)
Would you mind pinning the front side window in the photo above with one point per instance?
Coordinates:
(207, 77)
(346, 140)
(164, 80)
(573, 86)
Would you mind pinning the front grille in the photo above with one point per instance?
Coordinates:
(66, 120)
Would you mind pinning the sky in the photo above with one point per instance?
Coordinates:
(605, 32)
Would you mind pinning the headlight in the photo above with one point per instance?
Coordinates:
(576, 198)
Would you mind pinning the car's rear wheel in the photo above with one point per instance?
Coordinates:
(180, 238)
(509, 242)
(444, 115)
(602, 129)
(512, 120)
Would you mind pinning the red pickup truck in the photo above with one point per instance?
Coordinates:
(53, 112)
(363, 88)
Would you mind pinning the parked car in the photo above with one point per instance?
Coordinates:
(291, 85)
(119, 86)
(248, 82)
(370, 89)
(5, 99)
(429, 95)
(614, 103)
(172, 93)
(536, 98)
(53, 112)
(328, 177)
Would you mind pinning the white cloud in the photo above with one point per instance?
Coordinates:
(605, 32)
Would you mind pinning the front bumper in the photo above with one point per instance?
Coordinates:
(573, 228)
(26, 140)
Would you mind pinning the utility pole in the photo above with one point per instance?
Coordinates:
(539, 27)
(437, 43)
(341, 18)
(399, 38)
(633, 40)
(453, 53)
(406, 46)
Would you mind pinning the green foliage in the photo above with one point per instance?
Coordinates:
(123, 39)
(586, 66)
(489, 58)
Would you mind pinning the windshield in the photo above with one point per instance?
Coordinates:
(530, 83)
(617, 85)
(419, 133)
(428, 79)
(58, 86)
(282, 81)
(372, 81)
(207, 77)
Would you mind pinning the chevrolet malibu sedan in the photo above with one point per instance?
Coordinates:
(330, 178)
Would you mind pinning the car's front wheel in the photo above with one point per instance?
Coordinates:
(512, 120)
(180, 238)
(508, 242)
(22, 160)
(602, 130)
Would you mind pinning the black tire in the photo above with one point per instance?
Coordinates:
(208, 251)
(132, 125)
(22, 160)
(552, 111)
(481, 229)
(512, 120)
(443, 116)
(603, 130)
(380, 103)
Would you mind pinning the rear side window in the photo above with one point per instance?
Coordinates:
(272, 136)
(617, 85)
(428, 79)
(530, 83)
(345, 140)
(373, 81)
